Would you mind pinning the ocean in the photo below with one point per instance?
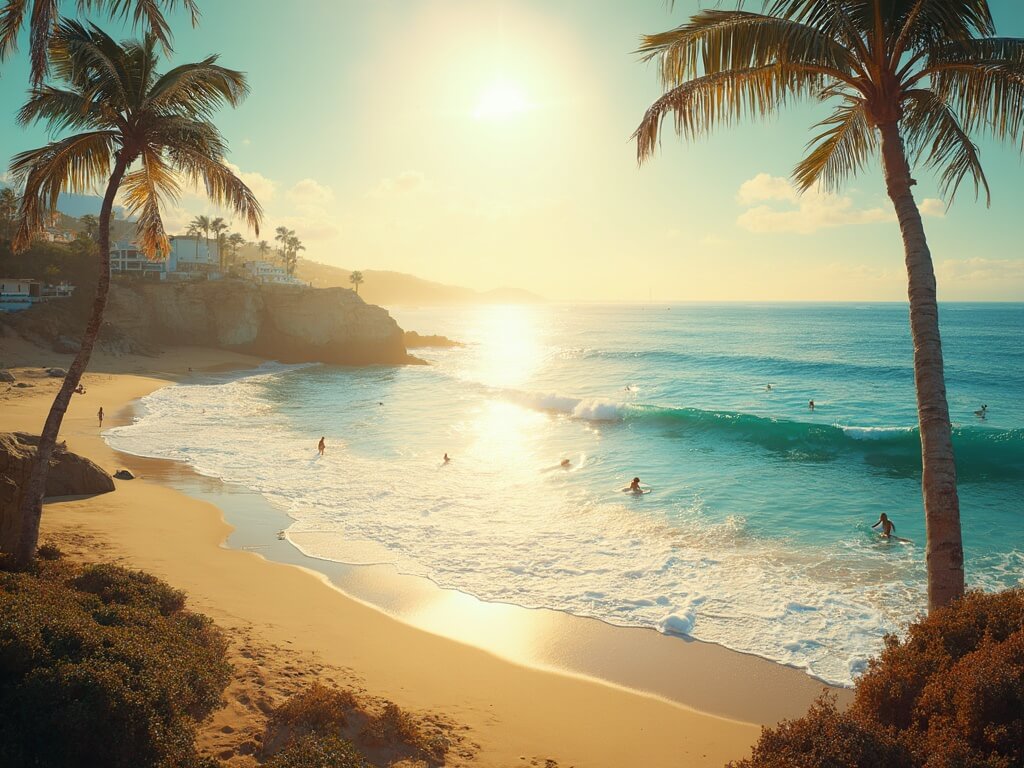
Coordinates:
(756, 533)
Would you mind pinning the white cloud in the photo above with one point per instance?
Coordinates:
(404, 183)
(803, 214)
(931, 206)
(311, 194)
(993, 271)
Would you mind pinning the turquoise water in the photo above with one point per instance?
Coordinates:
(756, 533)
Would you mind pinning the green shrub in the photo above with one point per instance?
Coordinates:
(316, 751)
(950, 695)
(100, 666)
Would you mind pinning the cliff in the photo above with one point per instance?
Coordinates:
(292, 324)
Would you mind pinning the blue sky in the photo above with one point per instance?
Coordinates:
(486, 143)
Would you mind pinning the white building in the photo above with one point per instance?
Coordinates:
(127, 259)
(265, 272)
(193, 257)
(18, 293)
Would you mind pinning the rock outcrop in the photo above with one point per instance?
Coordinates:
(287, 323)
(415, 340)
(70, 475)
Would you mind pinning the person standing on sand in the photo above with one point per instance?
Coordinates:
(99, 415)
(320, 446)
(888, 528)
(446, 459)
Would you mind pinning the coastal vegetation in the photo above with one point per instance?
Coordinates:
(84, 673)
(142, 132)
(913, 80)
(950, 694)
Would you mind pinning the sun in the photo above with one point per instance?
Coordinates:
(501, 101)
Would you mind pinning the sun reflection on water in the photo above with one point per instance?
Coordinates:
(510, 350)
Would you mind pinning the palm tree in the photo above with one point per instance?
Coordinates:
(141, 132)
(356, 278)
(263, 247)
(235, 242)
(201, 224)
(45, 16)
(91, 225)
(915, 78)
(283, 233)
(218, 226)
(8, 212)
(293, 245)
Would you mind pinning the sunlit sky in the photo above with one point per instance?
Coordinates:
(485, 143)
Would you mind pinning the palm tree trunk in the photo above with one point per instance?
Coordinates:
(31, 508)
(945, 552)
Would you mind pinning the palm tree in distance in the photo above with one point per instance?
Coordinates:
(91, 225)
(264, 248)
(218, 226)
(281, 236)
(141, 132)
(356, 278)
(8, 212)
(201, 224)
(293, 245)
(235, 242)
(914, 78)
(45, 17)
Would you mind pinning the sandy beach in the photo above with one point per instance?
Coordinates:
(289, 625)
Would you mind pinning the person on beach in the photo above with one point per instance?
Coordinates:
(446, 459)
(79, 390)
(811, 405)
(888, 528)
(320, 446)
(99, 415)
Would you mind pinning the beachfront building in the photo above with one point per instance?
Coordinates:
(18, 293)
(127, 259)
(265, 272)
(193, 258)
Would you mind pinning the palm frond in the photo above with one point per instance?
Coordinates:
(924, 23)
(934, 134)
(836, 18)
(984, 80)
(76, 164)
(148, 14)
(11, 17)
(89, 59)
(198, 89)
(145, 189)
(705, 102)
(718, 41)
(44, 16)
(842, 149)
(62, 109)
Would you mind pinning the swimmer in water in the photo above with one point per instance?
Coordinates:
(981, 412)
(565, 464)
(768, 388)
(888, 527)
(320, 446)
(811, 405)
(634, 487)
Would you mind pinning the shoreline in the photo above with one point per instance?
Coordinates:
(684, 700)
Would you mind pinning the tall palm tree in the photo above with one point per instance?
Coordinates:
(356, 278)
(218, 226)
(293, 246)
(45, 16)
(91, 225)
(234, 242)
(281, 236)
(914, 78)
(263, 247)
(140, 131)
(201, 224)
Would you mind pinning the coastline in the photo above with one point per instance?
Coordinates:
(707, 701)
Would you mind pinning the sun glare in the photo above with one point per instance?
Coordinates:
(501, 101)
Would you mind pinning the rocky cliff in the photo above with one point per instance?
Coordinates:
(287, 323)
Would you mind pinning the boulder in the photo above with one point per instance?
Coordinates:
(7, 376)
(23, 384)
(56, 373)
(70, 475)
(66, 346)
(124, 474)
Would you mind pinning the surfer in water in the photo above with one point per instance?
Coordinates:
(321, 446)
(981, 412)
(888, 527)
(634, 487)
(811, 405)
